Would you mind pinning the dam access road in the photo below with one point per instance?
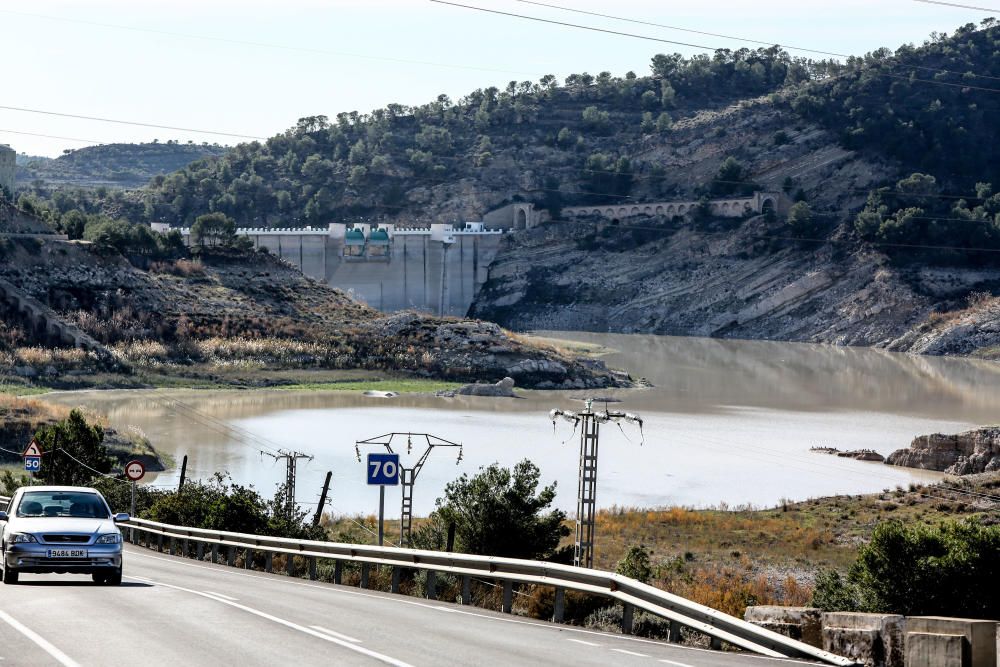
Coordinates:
(171, 610)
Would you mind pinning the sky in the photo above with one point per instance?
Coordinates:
(253, 67)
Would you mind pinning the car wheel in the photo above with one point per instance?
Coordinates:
(109, 579)
(9, 576)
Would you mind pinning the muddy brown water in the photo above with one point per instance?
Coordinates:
(727, 422)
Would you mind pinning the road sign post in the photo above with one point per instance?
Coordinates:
(134, 470)
(383, 471)
(33, 457)
(407, 477)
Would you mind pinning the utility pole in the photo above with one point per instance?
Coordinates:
(408, 476)
(322, 499)
(291, 461)
(184, 467)
(589, 422)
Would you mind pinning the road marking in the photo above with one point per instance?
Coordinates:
(288, 624)
(638, 655)
(335, 633)
(675, 664)
(580, 641)
(42, 643)
(344, 590)
(224, 597)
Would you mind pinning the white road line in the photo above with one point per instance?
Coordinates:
(401, 599)
(638, 655)
(42, 643)
(335, 634)
(288, 624)
(224, 597)
(580, 641)
(675, 664)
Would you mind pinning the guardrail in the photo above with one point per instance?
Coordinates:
(632, 594)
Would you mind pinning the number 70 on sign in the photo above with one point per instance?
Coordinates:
(383, 469)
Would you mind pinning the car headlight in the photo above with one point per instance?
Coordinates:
(22, 537)
(110, 538)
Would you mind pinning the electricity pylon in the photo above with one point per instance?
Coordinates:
(586, 497)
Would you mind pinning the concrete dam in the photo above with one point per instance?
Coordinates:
(440, 268)
(436, 269)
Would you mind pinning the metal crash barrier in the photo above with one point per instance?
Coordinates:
(680, 612)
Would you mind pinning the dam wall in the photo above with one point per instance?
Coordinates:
(419, 273)
(437, 269)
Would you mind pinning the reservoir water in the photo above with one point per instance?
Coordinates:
(727, 422)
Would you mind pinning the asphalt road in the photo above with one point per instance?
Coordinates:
(172, 611)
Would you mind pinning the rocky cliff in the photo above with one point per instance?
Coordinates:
(743, 279)
(668, 278)
(966, 453)
(245, 298)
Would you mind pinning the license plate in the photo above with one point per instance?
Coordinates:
(67, 553)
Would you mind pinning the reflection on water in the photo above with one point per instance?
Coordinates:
(728, 422)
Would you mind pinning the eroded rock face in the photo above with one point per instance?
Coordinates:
(962, 454)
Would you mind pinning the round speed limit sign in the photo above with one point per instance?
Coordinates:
(134, 470)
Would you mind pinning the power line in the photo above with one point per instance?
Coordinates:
(732, 37)
(132, 122)
(960, 6)
(50, 136)
(666, 41)
(265, 45)
(575, 25)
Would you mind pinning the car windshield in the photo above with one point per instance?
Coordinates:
(62, 503)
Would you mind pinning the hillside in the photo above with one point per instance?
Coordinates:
(231, 314)
(457, 159)
(111, 165)
(892, 156)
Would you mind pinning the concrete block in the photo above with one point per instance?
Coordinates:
(875, 640)
(980, 635)
(925, 649)
(804, 624)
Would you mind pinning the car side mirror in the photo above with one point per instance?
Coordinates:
(122, 517)
(3, 516)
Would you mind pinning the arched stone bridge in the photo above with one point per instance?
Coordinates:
(729, 207)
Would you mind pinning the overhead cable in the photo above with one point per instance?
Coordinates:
(132, 122)
(732, 37)
(665, 41)
(265, 45)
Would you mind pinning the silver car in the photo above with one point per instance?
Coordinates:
(61, 529)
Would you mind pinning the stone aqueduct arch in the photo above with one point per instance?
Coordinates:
(761, 202)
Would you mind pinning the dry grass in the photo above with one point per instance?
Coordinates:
(731, 589)
(144, 353)
(246, 350)
(29, 409)
(565, 348)
(62, 358)
(185, 268)
(677, 530)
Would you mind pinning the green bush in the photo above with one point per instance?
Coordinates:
(947, 570)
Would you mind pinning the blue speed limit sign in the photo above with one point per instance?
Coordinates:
(383, 469)
(32, 463)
